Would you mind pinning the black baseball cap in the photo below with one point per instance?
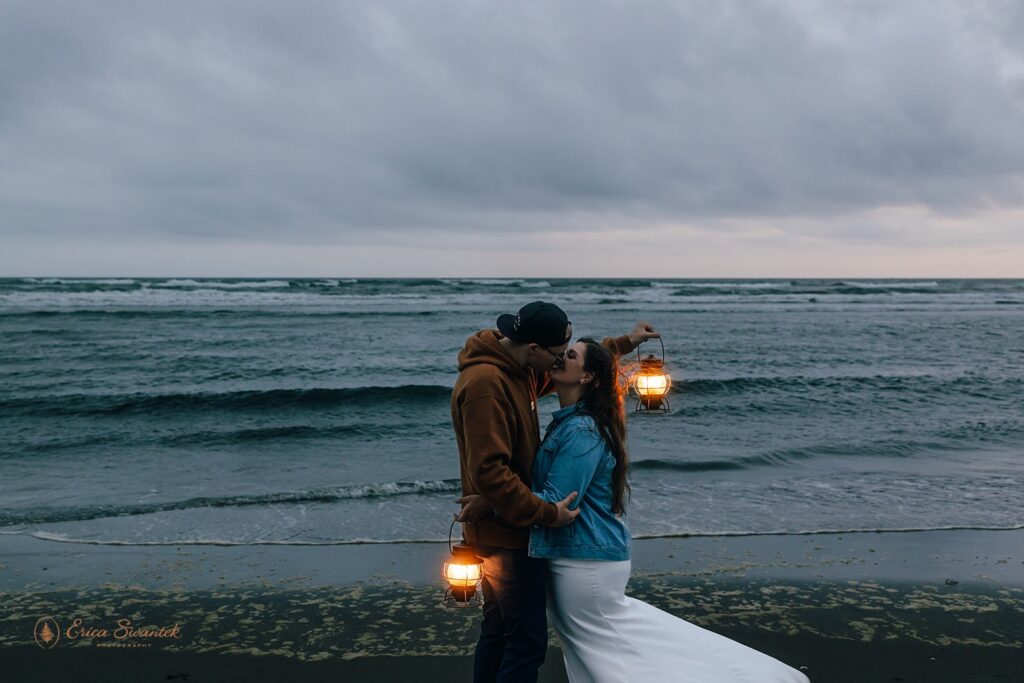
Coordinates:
(538, 322)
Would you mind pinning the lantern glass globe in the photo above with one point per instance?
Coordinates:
(652, 384)
(460, 575)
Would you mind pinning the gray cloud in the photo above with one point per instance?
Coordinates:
(311, 121)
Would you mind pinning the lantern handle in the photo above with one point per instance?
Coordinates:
(662, 350)
(455, 518)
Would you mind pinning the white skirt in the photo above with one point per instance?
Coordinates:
(607, 636)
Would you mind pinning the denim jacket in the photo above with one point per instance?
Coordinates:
(574, 457)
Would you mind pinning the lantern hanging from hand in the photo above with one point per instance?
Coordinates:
(651, 383)
(462, 572)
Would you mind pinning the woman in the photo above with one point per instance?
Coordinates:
(606, 635)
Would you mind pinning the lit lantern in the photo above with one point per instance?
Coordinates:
(463, 572)
(651, 383)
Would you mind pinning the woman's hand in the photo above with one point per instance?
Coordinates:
(474, 508)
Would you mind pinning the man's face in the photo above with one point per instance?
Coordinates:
(547, 358)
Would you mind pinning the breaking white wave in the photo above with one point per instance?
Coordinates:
(220, 284)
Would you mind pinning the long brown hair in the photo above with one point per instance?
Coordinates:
(603, 400)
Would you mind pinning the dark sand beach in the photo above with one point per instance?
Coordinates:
(916, 606)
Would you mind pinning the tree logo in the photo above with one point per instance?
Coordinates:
(47, 632)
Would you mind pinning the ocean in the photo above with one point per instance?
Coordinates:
(315, 411)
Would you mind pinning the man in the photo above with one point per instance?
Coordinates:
(502, 373)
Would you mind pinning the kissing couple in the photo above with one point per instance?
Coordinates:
(546, 517)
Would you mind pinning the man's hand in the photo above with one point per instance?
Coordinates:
(474, 508)
(641, 333)
(565, 515)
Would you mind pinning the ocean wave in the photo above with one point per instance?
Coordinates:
(910, 387)
(788, 456)
(736, 285)
(120, 313)
(920, 386)
(365, 432)
(261, 434)
(117, 282)
(771, 459)
(979, 432)
(912, 384)
(441, 294)
(192, 314)
(656, 464)
(827, 532)
(797, 287)
(912, 284)
(707, 291)
(319, 495)
(120, 404)
(222, 284)
(323, 283)
(484, 282)
(496, 282)
(739, 385)
(65, 538)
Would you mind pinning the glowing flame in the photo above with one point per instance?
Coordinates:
(462, 575)
(654, 385)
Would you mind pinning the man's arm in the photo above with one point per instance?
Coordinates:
(641, 332)
(627, 343)
(475, 507)
(488, 443)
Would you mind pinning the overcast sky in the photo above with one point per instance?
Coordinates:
(687, 139)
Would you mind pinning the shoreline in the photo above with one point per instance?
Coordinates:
(993, 556)
(915, 606)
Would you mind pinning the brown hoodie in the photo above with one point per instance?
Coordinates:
(494, 412)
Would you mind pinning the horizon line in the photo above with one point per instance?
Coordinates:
(505, 277)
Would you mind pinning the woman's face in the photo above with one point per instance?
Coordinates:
(572, 372)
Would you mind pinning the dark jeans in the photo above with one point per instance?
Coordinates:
(514, 634)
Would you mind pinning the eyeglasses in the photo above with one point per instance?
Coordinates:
(559, 357)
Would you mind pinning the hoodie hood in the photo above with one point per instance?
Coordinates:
(483, 348)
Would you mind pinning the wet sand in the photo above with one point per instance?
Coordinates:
(921, 606)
